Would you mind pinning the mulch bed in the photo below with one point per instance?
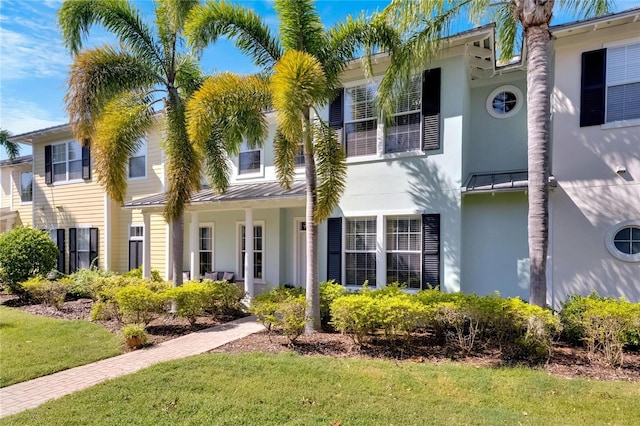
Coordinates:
(565, 361)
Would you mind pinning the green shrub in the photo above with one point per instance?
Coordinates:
(400, 314)
(41, 290)
(329, 291)
(291, 318)
(138, 304)
(104, 311)
(393, 289)
(134, 335)
(356, 315)
(571, 316)
(264, 306)
(24, 253)
(225, 297)
(191, 299)
(137, 273)
(82, 282)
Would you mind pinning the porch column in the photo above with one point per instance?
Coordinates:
(194, 263)
(248, 253)
(146, 246)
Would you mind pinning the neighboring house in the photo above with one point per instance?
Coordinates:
(16, 192)
(436, 197)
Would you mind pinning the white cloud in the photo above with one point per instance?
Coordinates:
(21, 116)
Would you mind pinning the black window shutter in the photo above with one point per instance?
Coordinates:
(430, 250)
(86, 160)
(73, 255)
(336, 114)
(592, 87)
(61, 249)
(334, 249)
(431, 109)
(48, 165)
(93, 246)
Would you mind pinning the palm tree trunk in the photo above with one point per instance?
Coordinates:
(177, 237)
(312, 290)
(538, 39)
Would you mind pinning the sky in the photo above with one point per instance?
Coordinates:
(34, 63)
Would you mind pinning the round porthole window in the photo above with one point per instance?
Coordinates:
(504, 102)
(623, 241)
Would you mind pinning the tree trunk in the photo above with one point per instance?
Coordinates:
(177, 237)
(312, 290)
(538, 39)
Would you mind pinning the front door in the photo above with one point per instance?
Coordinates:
(301, 253)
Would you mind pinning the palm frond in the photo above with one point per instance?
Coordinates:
(96, 77)
(189, 76)
(119, 17)
(331, 170)
(284, 153)
(216, 160)
(508, 35)
(300, 25)
(12, 148)
(119, 130)
(176, 13)
(298, 83)
(586, 8)
(183, 163)
(250, 33)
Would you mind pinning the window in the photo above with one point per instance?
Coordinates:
(57, 235)
(299, 158)
(138, 161)
(404, 251)
(403, 134)
(248, 160)
(361, 121)
(66, 161)
(360, 251)
(205, 248)
(83, 248)
(504, 102)
(26, 187)
(623, 241)
(623, 83)
(136, 246)
(258, 270)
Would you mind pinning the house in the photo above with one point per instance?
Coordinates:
(16, 192)
(436, 197)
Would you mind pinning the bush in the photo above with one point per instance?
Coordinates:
(138, 304)
(356, 315)
(400, 315)
(191, 299)
(82, 282)
(265, 306)
(137, 273)
(24, 253)
(291, 317)
(329, 291)
(41, 290)
(225, 297)
(571, 316)
(134, 335)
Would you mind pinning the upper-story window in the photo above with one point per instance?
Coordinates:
(67, 161)
(249, 160)
(299, 158)
(403, 134)
(138, 161)
(361, 120)
(623, 83)
(26, 187)
(504, 102)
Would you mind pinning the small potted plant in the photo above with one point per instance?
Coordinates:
(134, 335)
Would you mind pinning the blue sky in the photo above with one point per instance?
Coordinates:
(33, 62)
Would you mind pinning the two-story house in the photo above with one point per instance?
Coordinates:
(435, 196)
(16, 192)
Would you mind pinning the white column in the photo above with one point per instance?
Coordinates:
(146, 246)
(107, 232)
(248, 254)
(194, 263)
(381, 253)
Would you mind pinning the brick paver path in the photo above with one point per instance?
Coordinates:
(30, 394)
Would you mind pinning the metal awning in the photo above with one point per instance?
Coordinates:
(502, 181)
(238, 192)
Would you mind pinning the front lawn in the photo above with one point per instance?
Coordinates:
(262, 389)
(33, 346)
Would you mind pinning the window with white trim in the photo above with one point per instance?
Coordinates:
(136, 246)
(205, 249)
(623, 83)
(258, 244)
(404, 253)
(623, 240)
(360, 251)
(26, 187)
(249, 160)
(403, 133)
(66, 161)
(138, 161)
(360, 120)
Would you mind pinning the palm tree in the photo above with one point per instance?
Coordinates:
(426, 22)
(12, 148)
(112, 91)
(303, 68)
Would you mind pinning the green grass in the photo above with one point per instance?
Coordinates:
(33, 346)
(288, 389)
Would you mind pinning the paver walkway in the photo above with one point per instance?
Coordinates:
(30, 394)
